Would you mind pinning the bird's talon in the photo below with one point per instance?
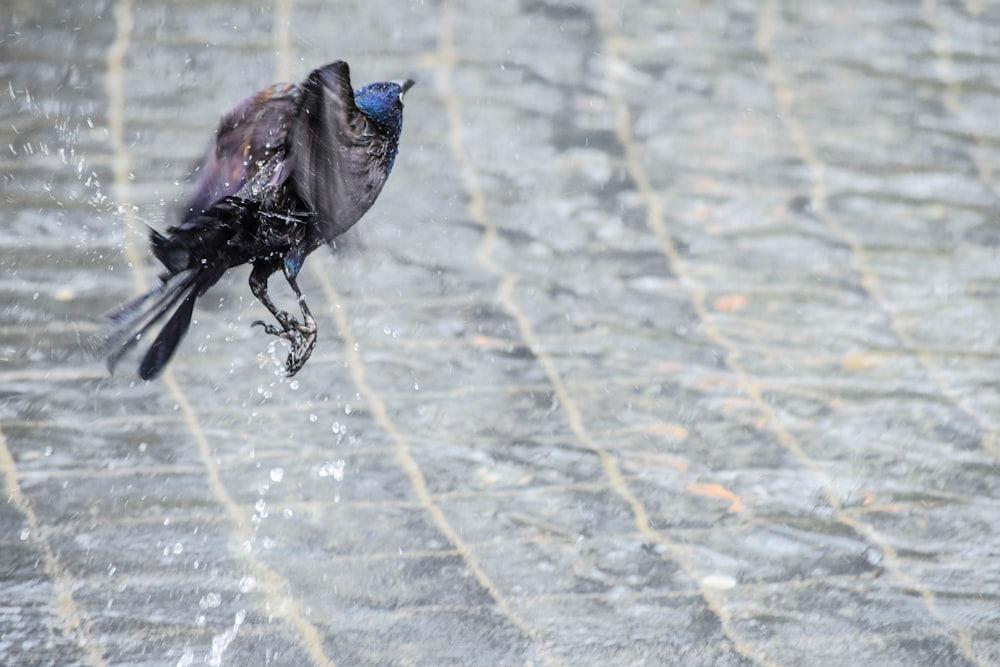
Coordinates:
(300, 353)
(268, 328)
(293, 333)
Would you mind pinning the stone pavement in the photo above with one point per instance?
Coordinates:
(673, 340)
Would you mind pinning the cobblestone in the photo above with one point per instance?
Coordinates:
(672, 340)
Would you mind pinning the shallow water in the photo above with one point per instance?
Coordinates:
(671, 340)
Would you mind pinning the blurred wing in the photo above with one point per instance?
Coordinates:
(248, 136)
(333, 171)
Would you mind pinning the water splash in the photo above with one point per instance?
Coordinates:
(210, 601)
(62, 145)
(333, 469)
(248, 583)
(221, 641)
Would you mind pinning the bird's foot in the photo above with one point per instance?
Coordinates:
(301, 335)
(289, 326)
(300, 353)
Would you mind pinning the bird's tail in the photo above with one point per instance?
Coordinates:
(132, 320)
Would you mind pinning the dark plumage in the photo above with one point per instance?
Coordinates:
(294, 166)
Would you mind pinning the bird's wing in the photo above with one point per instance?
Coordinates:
(248, 137)
(333, 173)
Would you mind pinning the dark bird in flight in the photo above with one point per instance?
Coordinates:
(294, 166)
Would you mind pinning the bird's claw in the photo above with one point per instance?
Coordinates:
(290, 332)
(300, 353)
(302, 337)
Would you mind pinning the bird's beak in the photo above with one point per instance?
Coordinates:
(405, 85)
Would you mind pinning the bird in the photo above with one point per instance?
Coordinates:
(293, 167)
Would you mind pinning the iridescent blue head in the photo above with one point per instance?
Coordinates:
(383, 103)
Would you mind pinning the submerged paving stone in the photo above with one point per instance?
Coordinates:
(671, 341)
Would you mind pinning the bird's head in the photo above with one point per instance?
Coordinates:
(383, 102)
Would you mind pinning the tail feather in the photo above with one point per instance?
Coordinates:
(126, 311)
(133, 320)
(195, 254)
(170, 336)
(170, 250)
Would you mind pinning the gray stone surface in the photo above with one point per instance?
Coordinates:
(672, 340)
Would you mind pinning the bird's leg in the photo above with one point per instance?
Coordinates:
(301, 335)
(302, 349)
(258, 285)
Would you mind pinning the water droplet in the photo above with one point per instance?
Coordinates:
(248, 583)
(25, 534)
(48, 450)
(287, 513)
(313, 418)
(210, 601)
(719, 582)
(347, 408)
(277, 474)
(333, 469)
(293, 385)
(178, 548)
